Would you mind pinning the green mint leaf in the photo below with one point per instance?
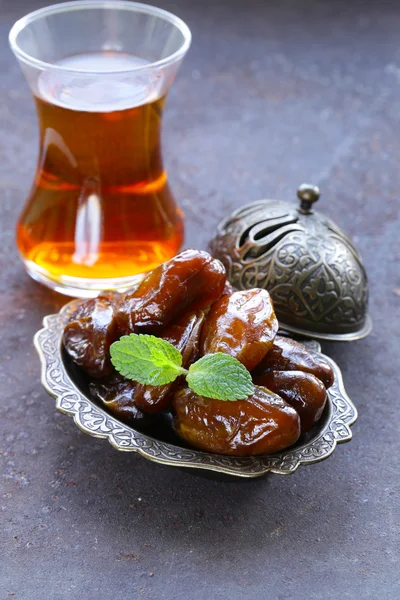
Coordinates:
(146, 359)
(220, 376)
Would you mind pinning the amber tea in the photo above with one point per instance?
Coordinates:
(100, 206)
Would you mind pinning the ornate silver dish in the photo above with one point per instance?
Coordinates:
(63, 382)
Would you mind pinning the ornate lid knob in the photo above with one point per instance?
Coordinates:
(307, 194)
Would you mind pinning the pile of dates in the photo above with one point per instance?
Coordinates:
(188, 302)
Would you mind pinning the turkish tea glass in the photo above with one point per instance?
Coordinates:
(100, 211)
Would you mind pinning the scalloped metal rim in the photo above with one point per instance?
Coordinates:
(334, 337)
(94, 421)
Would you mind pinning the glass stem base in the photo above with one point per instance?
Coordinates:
(78, 287)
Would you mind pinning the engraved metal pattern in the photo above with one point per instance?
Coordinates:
(341, 413)
(311, 269)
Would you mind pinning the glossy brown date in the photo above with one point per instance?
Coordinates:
(117, 395)
(89, 334)
(243, 325)
(261, 424)
(192, 280)
(288, 355)
(184, 335)
(303, 391)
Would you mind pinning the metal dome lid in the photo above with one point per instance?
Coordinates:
(311, 269)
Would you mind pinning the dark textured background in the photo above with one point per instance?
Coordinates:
(271, 94)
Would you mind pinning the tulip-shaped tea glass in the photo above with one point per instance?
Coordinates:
(100, 211)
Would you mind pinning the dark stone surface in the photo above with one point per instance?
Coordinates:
(271, 94)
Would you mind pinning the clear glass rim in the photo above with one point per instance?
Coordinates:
(77, 5)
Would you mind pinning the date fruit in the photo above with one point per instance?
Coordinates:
(192, 280)
(303, 391)
(89, 334)
(288, 355)
(243, 325)
(117, 395)
(261, 424)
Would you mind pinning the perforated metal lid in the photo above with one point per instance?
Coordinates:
(312, 270)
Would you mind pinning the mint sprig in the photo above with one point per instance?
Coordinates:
(146, 359)
(220, 376)
(154, 361)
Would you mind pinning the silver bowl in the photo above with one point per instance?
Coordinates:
(65, 383)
